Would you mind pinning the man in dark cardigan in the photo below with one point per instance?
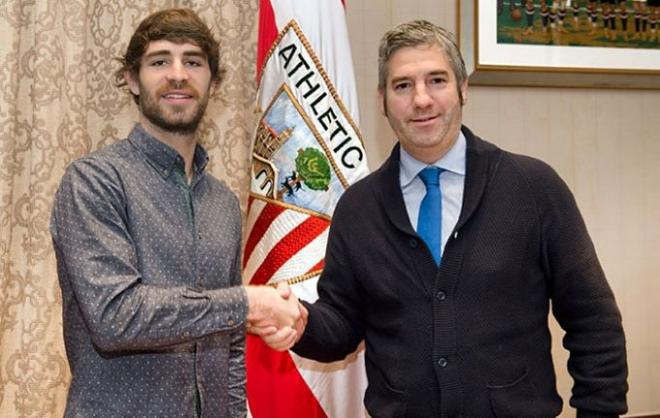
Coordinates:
(460, 328)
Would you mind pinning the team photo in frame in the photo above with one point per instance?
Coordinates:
(568, 43)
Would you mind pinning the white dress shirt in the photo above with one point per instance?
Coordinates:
(452, 182)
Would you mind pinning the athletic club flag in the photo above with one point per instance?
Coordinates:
(307, 151)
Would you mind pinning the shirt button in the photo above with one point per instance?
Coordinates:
(441, 295)
(442, 362)
(413, 243)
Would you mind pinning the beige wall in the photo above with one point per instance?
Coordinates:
(604, 143)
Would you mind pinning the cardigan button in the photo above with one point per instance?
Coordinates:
(413, 243)
(441, 295)
(443, 362)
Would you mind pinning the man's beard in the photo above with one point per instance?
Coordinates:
(177, 123)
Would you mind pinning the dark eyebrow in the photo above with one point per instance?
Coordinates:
(432, 73)
(194, 54)
(399, 79)
(168, 52)
(156, 53)
(439, 72)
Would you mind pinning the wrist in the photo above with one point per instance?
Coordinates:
(253, 302)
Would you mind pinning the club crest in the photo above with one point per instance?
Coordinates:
(307, 149)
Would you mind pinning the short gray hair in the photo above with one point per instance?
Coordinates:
(414, 33)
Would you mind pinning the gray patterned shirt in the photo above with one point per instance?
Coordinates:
(153, 310)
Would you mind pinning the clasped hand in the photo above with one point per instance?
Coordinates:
(276, 315)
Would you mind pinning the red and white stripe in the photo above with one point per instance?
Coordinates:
(282, 243)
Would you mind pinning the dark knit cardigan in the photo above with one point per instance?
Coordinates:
(470, 338)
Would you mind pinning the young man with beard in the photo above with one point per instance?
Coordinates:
(148, 250)
(445, 261)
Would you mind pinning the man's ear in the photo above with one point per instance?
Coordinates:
(381, 102)
(463, 93)
(133, 84)
(213, 87)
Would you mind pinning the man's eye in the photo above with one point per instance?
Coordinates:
(157, 63)
(401, 86)
(193, 63)
(438, 80)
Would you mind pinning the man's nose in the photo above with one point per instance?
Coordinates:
(422, 98)
(177, 72)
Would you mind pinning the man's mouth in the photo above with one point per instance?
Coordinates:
(423, 119)
(176, 95)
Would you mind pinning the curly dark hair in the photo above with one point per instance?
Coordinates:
(178, 25)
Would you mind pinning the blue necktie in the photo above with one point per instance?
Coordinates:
(429, 222)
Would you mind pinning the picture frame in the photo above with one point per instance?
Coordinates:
(490, 62)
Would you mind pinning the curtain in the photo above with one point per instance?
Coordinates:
(58, 102)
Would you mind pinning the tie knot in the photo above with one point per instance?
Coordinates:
(430, 176)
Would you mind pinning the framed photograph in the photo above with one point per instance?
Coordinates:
(568, 43)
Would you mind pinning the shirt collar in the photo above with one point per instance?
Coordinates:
(453, 160)
(161, 156)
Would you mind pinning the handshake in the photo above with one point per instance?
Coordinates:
(275, 315)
